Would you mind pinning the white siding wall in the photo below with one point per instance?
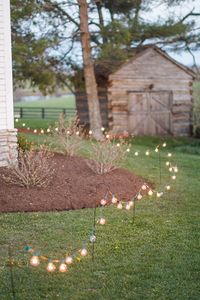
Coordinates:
(6, 93)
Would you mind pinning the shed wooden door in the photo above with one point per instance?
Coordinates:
(150, 113)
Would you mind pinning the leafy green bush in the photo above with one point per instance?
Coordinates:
(23, 143)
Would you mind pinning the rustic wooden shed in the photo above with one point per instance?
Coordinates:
(151, 94)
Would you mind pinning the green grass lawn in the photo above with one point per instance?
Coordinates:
(36, 121)
(60, 102)
(157, 257)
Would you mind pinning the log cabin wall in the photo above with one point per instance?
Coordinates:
(82, 106)
(151, 75)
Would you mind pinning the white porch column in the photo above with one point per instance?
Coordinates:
(8, 139)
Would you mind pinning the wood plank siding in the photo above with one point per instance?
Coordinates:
(148, 75)
(6, 96)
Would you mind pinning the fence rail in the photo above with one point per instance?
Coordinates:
(42, 112)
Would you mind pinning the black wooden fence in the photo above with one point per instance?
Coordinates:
(42, 112)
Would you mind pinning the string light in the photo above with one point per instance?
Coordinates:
(107, 136)
(48, 130)
(35, 130)
(147, 153)
(103, 202)
(69, 260)
(77, 133)
(102, 221)
(23, 124)
(128, 207)
(164, 145)
(119, 205)
(51, 267)
(102, 128)
(34, 261)
(92, 238)
(144, 187)
(150, 192)
(118, 144)
(114, 200)
(56, 129)
(16, 120)
(128, 150)
(83, 252)
(42, 131)
(175, 169)
(63, 267)
(90, 132)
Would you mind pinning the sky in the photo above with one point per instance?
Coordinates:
(180, 10)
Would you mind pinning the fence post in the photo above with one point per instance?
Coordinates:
(64, 111)
(21, 112)
(43, 113)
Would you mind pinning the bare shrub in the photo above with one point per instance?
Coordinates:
(67, 135)
(107, 155)
(34, 168)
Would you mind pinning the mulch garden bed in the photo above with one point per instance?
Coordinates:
(74, 186)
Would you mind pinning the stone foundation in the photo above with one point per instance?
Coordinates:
(8, 147)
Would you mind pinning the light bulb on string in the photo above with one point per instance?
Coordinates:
(107, 136)
(34, 261)
(170, 169)
(118, 145)
(92, 238)
(69, 260)
(168, 187)
(174, 177)
(127, 150)
(23, 124)
(114, 200)
(102, 221)
(144, 187)
(128, 207)
(103, 202)
(175, 169)
(56, 129)
(131, 203)
(102, 129)
(169, 155)
(90, 132)
(164, 145)
(35, 130)
(136, 153)
(51, 267)
(83, 252)
(159, 194)
(156, 150)
(48, 130)
(119, 205)
(139, 196)
(16, 120)
(41, 131)
(147, 153)
(63, 267)
(167, 163)
(77, 133)
(150, 192)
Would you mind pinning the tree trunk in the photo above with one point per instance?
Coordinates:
(90, 80)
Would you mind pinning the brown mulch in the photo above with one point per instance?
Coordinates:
(74, 186)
